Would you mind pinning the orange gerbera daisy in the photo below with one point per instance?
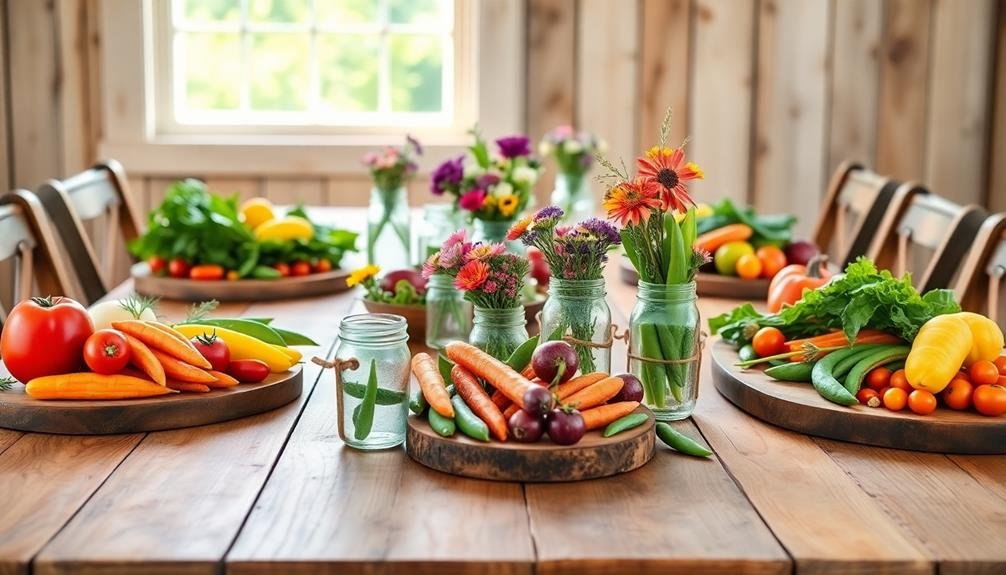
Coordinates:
(472, 275)
(517, 230)
(632, 202)
(667, 167)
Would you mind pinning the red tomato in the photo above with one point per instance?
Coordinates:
(769, 341)
(878, 378)
(900, 381)
(214, 349)
(300, 268)
(922, 402)
(44, 336)
(990, 400)
(772, 259)
(984, 373)
(1001, 364)
(868, 396)
(248, 370)
(106, 351)
(178, 268)
(283, 269)
(322, 266)
(157, 264)
(957, 395)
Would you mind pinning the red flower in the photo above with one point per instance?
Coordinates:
(632, 202)
(472, 275)
(664, 166)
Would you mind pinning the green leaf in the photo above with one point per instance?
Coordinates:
(631, 251)
(679, 257)
(445, 366)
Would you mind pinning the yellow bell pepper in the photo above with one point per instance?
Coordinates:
(243, 346)
(988, 338)
(285, 229)
(938, 351)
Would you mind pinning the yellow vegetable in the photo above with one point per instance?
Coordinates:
(285, 229)
(257, 211)
(243, 346)
(938, 351)
(988, 338)
(292, 353)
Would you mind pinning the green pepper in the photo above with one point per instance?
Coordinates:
(265, 273)
(468, 422)
(878, 357)
(791, 371)
(384, 396)
(826, 384)
(625, 423)
(365, 421)
(681, 442)
(443, 426)
(747, 353)
(521, 357)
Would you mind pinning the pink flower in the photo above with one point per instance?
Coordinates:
(473, 200)
(450, 257)
(431, 265)
(490, 286)
(484, 251)
(369, 159)
(455, 238)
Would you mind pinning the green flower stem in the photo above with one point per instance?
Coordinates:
(654, 376)
(375, 231)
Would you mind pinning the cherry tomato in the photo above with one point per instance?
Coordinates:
(283, 269)
(214, 349)
(106, 351)
(233, 276)
(922, 402)
(899, 381)
(878, 378)
(323, 265)
(178, 268)
(748, 267)
(868, 396)
(984, 373)
(957, 395)
(990, 400)
(772, 259)
(248, 370)
(895, 399)
(300, 268)
(769, 341)
(156, 264)
(207, 272)
(1001, 364)
(44, 336)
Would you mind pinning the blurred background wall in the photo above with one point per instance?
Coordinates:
(773, 94)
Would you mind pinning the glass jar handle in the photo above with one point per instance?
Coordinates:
(338, 365)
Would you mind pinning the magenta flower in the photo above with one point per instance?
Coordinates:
(514, 146)
(447, 174)
(473, 200)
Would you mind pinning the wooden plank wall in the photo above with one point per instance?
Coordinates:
(773, 94)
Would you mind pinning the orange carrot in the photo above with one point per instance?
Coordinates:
(514, 408)
(188, 386)
(432, 384)
(596, 394)
(143, 358)
(495, 372)
(223, 380)
(476, 398)
(180, 370)
(168, 330)
(601, 416)
(713, 239)
(93, 386)
(577, 383)
(157, 339)
(528, 372)
(838, 339)
(500, 400)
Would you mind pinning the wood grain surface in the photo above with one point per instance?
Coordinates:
(245, 290)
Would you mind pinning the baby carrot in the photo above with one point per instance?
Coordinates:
(577, 383)
(602, 415)
(493, 371)
(432, 385)
(596, 394)
(143, 358)
(157, 339)
(182, 371)
(478, 400)
(188, 386)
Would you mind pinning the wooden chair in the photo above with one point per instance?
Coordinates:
(98, 198)
(926, 235)
(853, 208)
(980, 287)
(29, 249)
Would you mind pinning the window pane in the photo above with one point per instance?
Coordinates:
(417, 11)
(416, 73)
(279, 10)
(211, 10)
(342, 12)
(279, 74)
(349, 72)
(212, 70)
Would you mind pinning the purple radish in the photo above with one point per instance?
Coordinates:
(632, 390)
(555, 362)
(525, 428)
(565, 427)
(800, 252)
(538, 401)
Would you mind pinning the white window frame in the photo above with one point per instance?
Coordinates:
(490, 62)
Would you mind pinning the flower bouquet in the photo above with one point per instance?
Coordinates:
(574, 154)
(401, 292)
(388, 235)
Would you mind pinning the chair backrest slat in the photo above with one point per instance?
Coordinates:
(982, 280)
(853, 209)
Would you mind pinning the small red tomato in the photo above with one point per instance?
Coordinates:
(983, 373)
(900, 381)
(868, 396)
(895, 399)
(990, 400)
(214, 349)
(878, 378)
(157, 264)
(248, 370)
(300, 268)
(106, 351)
(178, 268)
(922, 402)
(1001, 364)
(323, 266)
(283, 269)
(769, 341)
(957, 395)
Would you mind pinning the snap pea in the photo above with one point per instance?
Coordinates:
(265, 273)
(384, 396)
(468, 422)
(895, 365)
(625, 423)
(418, 403)
(878, 357)
(294, 338)
(365, 420)
(521, 356)
(747, 353)
(681, 442)
(826, 384)
(777, 362)
(443, 426)
(791, 371)
(843, 367)
(356, 414)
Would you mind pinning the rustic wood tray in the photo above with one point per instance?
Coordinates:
(241, 290)
(712, 285)
(415, 315)
(798, 407)
(594, 456)
(101, 417)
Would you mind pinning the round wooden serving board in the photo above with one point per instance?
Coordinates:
(594, 456)
(712, 285)
(798, 406)
(102, 417)
(240, 290)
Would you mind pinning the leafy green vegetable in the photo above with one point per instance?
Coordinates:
(863, 297)
(405, 293)
(768, 228)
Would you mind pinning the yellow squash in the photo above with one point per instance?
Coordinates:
(285, 229)
(988, 338)
(938, 351)
(243, 346)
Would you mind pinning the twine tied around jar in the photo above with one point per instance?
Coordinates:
(606, 344)
(338, 365)
(695, 357)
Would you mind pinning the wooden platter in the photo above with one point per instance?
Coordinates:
(23, 413)
(798, 407)
(415, 315)
(241, 290)
(712, 285)
(594, 456)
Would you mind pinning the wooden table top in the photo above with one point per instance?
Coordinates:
(280, 493)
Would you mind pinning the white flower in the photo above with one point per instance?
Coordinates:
(473, 170)
(545, 148)
(502, 189)
(525, 175)
(572, 147)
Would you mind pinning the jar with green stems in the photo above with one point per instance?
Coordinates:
(664, 348)
(448, 314)
(388, 233)
(439, 222)
(372, 380)
(494, 232)
(577, 310)
(499, 332)
(572, 193)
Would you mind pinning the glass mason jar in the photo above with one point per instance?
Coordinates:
(665, 326)
(572, 193)
(388, 236)
(448, 314)
(499, 332)
(577, 308)
(377, 343)
(495, 232)
(439, 221)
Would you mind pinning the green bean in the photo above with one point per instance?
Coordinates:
(468, 422)
(653, 375)
(384, 396)
(418, 403)
(777, 362)
(625, 423)
(862, 350)
(443, 426)
(521, 357)
(681, 442)
(895, 365)
(365, 421)
(826, 384)
(879, 357)
(791, 371)
(747, 353)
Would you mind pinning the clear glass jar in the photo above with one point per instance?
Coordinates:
(665, 326)
(448, 313)
(499, 332)
(376, 344)
(577, 309)
(495, 232)
(439, 221)
(573, 194)
(388, 236)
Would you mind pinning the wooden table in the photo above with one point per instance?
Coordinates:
(280, 493)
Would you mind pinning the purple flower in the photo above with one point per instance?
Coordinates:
(549, 212)
(488, 180)
(514, 146)
(448, 173)
(602, 229)
(415, 144)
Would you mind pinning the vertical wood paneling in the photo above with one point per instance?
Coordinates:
(309, 192)
(855, 88)
(997, 152)
(665, 56)
(75, 78)
(790, 123)
(959, 110)
(5, 168)
(721, 92)
(244, 187)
